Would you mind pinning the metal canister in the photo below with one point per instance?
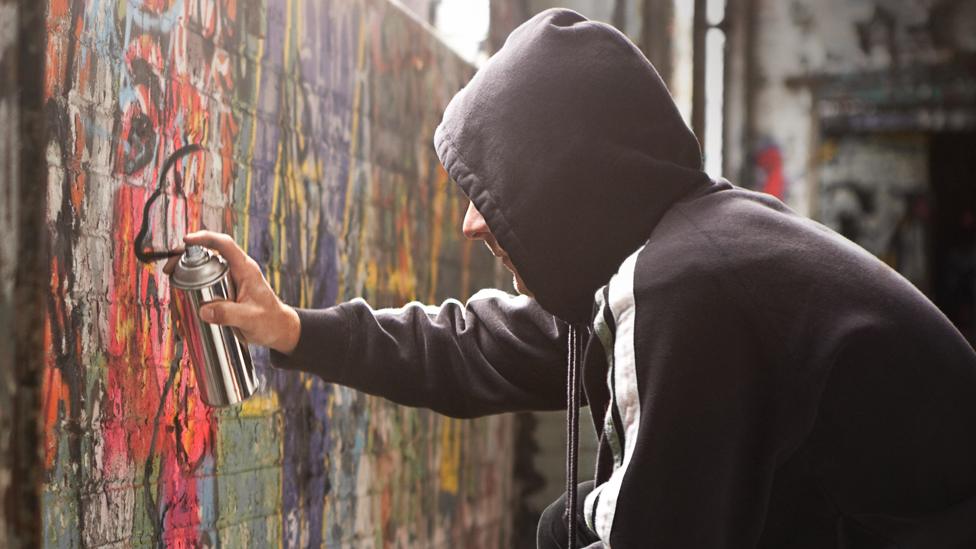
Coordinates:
(224, 370)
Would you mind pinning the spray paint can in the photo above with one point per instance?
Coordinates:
(224, 370)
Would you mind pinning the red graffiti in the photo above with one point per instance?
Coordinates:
(770, 161)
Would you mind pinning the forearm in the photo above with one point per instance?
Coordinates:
(494, 354)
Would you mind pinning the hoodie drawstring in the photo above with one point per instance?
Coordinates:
(572, 429)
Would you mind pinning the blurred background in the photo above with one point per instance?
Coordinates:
(318, 117)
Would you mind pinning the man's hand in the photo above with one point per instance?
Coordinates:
(260, 316)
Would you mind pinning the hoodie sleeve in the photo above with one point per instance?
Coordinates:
(496, 353)
(699, 442)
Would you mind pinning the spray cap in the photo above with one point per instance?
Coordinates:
(195, 256)
(198, 268)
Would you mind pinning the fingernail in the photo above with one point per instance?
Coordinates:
(206, 315)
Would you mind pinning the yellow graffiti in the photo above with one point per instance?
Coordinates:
(353, 141)
(245, 222)
(260, 405)
(437, 227)
(450, 464)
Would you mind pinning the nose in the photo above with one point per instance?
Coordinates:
(474, 226)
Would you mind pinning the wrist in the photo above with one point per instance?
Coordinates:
(291, 330)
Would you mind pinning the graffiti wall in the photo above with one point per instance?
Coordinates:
(317, 118)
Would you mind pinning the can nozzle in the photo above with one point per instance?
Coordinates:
(195, 255)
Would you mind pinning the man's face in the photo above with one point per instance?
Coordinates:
(474, 227)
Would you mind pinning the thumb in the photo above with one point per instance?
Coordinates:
(225, 313)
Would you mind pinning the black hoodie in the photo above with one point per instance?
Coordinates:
(755, 379)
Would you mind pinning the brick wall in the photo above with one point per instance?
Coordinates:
(318, 117)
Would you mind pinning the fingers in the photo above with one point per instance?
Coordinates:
(224, 244)
(226, 313)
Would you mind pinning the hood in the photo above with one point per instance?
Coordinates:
(569, 144)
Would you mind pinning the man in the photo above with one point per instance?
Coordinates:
(756, 380)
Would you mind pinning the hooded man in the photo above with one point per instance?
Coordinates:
(755, 379)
